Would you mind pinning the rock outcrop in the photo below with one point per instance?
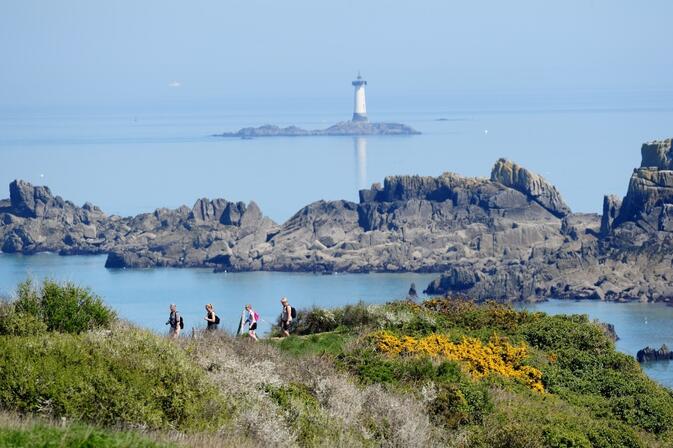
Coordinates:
(649, 354)
(34, 220)
(534, 186)
(629, 257)
(507, 237)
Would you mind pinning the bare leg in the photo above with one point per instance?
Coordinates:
(252, 335)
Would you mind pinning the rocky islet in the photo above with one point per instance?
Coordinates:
(507, 237)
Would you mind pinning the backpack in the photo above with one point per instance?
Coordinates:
(293, 312)
(182, 323)
(256, 315)
(217, 319)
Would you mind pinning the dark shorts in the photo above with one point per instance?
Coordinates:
(284, 325)
(253, 327)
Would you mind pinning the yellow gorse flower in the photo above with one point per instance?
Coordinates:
(498, 356)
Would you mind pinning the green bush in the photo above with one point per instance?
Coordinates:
(126, 376)
(65, 307)
(321, 320)
(564, 332)
(19, 324)
(315, 320)
(561, 437)
(354, 316)
(459, 404)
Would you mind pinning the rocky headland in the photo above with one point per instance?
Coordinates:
(346, 128)
(507, 237)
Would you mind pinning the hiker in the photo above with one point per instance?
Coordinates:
(286, 316)
(212, 318)
(251, 321)
(175, 321)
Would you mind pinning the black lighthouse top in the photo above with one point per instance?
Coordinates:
(359, 81)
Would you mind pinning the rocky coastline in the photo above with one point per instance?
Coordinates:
(507, 237)
(344, 128)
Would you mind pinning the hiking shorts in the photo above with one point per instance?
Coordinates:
(253, 327)
(285, 325)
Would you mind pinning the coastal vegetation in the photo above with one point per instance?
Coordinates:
(445, 372)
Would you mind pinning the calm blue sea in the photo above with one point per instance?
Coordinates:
(133, 159)
(142, 296)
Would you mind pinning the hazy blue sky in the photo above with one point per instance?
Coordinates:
(67, 51)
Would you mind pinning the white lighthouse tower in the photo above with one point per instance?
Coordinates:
(360, 107)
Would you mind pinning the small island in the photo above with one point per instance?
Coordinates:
(343, 128)
(358, 125)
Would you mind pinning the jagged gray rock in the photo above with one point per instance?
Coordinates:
(510, 237)
(534, 186)
(628, 258)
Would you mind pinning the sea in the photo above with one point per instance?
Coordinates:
(131, 159)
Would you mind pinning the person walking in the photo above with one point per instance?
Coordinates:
(211, 318)
(285, 317)
(175, 321)
(251, 321)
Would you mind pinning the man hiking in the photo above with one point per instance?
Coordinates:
(175, 321)
(286, 316)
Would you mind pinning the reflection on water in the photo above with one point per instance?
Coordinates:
(360, 144)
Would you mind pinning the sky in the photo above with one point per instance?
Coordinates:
(111, 52)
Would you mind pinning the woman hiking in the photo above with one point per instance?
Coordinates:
(212, 318)
(251, 321)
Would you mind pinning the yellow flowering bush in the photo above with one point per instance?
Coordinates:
(498, 356)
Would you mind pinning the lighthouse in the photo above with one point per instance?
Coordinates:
(360, 107)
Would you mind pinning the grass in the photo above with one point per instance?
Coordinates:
(330, 343)
(21, 432)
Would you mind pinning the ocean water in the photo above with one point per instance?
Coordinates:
(143, 296)
(129, 160)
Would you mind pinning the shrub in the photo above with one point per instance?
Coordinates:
(353, 316)
(459, 404)
(498, 356)
(19, 324)
(65, 307)
(563, 332)
(128, 376)
(467, 314)
(315, 320)
(321, 320)
(561, 437)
